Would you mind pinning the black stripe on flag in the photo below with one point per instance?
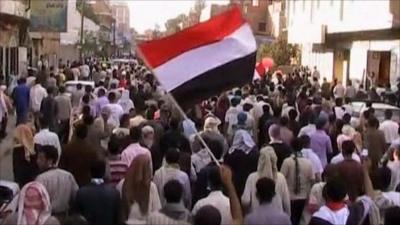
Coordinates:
(233, 74)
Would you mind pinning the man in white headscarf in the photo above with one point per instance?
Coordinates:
(210, 132)
(267, 168)
(125, 102)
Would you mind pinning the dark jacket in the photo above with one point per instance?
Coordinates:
(77, 158)
(99, 204)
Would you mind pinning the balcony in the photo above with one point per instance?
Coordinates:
(14, 8)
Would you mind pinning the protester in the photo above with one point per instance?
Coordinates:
(49, 109)
(60, 184)
(320, 142)
(171, 171)
(389, 127)
(64, 113)
(47, 137)
(24, 155)
(78, 156)
(300, 177)
(21, 100)
(139, 194)
(98, 202)
(266, 213)
(173, 211)
(216, 198)
(351, 171)
(281, 149)
(267, 168)
(33, 207)
(242, 158)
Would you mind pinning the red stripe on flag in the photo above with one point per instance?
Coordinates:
(157, 52)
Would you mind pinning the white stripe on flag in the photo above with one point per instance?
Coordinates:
(200, 60)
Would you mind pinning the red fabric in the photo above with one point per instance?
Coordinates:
(335, 206)
(268, 63)
(157, 52)
(260, 70)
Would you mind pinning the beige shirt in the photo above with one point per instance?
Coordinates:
(306, 175)
(281, 200)
(61, 186)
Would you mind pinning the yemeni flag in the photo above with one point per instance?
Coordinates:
(204, 60)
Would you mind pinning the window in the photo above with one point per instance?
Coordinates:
(318, 3)
(262, 27)
(304, 5)
(256, 2)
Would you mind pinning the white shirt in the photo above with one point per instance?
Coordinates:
(338, 91)
(36, 95)
(46, 137)
(339, 158)
(390, 130)
(394, 166)
(220, 202)
(85, 70)
(116, 112)
(61, 186)
(307, 130)
(167, 173)
(315, 161)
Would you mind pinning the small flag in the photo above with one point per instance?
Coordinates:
(204, 60)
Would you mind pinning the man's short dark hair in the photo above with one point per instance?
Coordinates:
(98, 168)
(348, 147)
(216, 148)
(381, 178)
(292, 114)
(114, 144)
(346, 118)
(388, 114)
(173, 191)
(79, 86)
(112, 96)
(335, 190)
(81, 131)
(207, 215)
(172, 156)
(373, 122)
(44, 122)
(61, 89)
(305, 141)
(101, 92)
(265, 189)
(214, 178)
(51, 90)
(49, 151)
(135, 133)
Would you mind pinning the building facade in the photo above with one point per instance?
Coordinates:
(256, 13)
(123, 35)
(347, 40)
(14, 38)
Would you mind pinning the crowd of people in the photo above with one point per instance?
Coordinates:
(281, 150)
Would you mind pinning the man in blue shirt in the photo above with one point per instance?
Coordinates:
(21, 100)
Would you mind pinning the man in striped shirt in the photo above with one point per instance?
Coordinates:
(117, 166)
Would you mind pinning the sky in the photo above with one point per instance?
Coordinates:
(145, 14)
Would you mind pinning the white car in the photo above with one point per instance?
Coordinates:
(380, 108)
(70, 86)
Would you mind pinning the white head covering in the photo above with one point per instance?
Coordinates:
(267, 163)
(125, 102)
(211, 124)
(242, 141)
(42, 215)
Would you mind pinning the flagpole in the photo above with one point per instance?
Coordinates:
(180, 110)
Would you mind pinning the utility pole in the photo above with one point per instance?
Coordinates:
(81, 39)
